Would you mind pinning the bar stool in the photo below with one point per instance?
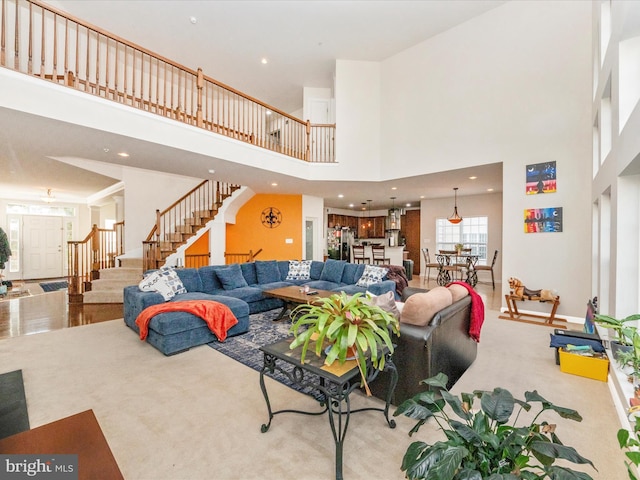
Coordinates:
(358, 255)
(378, 255)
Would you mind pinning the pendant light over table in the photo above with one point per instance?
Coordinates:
(455, 218)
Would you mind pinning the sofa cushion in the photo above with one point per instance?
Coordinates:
(386, 301)
(299, 270)
(249, 272)
(420, 308)
(190, 279)
(231, 277)
(332, 271)
(457, 292)
(209, 278)
(248, 294)
(371, 274)
(352, 272)
(325, 285)
(267, 271)
(164, 281)
(316, 269)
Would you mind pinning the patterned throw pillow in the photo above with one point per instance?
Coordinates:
(164, 281)
(371, 275)
(299, 270)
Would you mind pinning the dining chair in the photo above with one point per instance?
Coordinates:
(358, 254)
(489, 268)
(446, 271)
(377, 251)
(428, 264)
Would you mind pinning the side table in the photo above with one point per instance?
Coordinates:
(334, 382)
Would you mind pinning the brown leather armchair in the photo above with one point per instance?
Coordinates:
(422, 352)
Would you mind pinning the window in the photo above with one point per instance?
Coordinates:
(471, 232)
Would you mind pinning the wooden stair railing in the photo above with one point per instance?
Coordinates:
(40, 40)
(98, 250)
(181, 221)
(230, 258)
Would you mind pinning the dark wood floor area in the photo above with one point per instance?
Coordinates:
(50, 311)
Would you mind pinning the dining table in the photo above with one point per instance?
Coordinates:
(453, 264)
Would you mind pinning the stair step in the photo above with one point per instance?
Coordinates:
(205, 213)
(115, 284)
(103, 296)
(129, 262)
(121, 273)
(183, 229)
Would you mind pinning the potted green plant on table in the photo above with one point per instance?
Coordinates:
(351, 325)
(459, 247)
(483, 445)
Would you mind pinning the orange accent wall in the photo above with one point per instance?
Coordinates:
(249, 233)
(201, 245)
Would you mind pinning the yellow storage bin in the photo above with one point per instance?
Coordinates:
(590, 367)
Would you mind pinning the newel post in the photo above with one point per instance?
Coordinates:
(95, 247)
(199, 84)
(307, 153)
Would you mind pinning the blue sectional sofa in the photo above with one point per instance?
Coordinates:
(240, 287)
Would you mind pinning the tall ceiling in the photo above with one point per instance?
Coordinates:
(300, 40)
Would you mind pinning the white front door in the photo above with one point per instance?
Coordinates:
(42, 247)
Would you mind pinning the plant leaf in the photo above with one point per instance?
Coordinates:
(553, 450)
(456, 405)
(498, 405)
(448, 464)
(412, 409)
(562, 473)
(440, 381)
(468, 474)
(502, 476)
(420, 458)
(547, 405)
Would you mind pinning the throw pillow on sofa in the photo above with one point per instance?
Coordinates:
(164, 281)
(386, 301)
(420, 308)
(371, 275)
(267, 271)
(332, 271)
(457, 292)
(299, 270)
(231, 277)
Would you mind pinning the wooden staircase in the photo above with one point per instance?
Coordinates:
(108, 288)
(182, 220)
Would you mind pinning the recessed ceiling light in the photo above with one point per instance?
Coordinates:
(421, 196)
(472, 178)
(341, 196)
(274, 184)
(408, 204)
(212, 171)
(394, 188)
(264, 61)
(123, 154)
(351, 205)
(193, 20)
(105, 150)
(489, 189)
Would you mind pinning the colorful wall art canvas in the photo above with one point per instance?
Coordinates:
(540, 220)
(541, 178)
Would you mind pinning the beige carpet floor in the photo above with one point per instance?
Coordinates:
(197, 415)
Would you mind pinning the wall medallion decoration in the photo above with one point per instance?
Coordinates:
(271, 217)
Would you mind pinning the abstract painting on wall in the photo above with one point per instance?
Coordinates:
(540, 220)
(541, 178)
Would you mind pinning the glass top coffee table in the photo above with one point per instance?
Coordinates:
(334, 383)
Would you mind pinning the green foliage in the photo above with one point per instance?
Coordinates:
(619, 326)
(628, 441)
(480, 443)
(347, 323)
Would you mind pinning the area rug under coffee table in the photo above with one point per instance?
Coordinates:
(245, 348)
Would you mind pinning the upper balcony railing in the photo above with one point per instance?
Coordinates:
(40, 40)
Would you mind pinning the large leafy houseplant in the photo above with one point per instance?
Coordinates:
(352, 325)
(483, 445)
(629, 443)
(619, 326)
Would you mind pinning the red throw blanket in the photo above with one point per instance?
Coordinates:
(218, 316)
(477, 311)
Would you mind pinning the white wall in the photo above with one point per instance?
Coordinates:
(313, 210)
(147, 191)
(512, 85)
